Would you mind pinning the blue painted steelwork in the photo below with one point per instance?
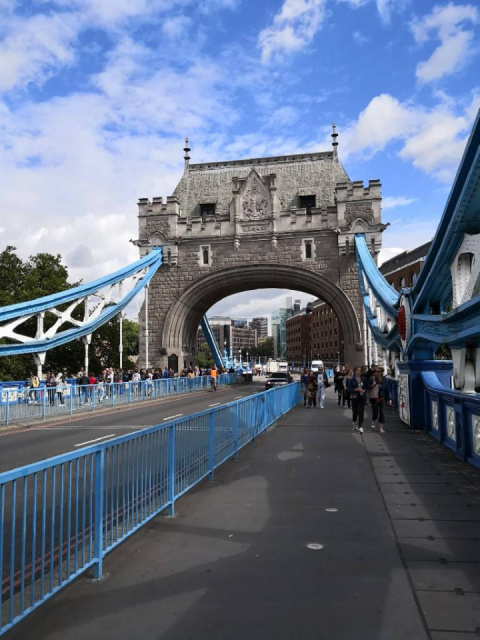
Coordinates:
(24, 310)
(70, 398)
(211, 341)
(429, 319)
(434, 283)
(78, 506)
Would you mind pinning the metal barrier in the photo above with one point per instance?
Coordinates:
(453, 418)
(44, 402)
(60, 516)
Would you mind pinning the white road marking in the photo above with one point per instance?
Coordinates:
(215, 404)
(177, 415)
(81, 444)
(237, 397)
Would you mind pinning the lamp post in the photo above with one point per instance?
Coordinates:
(240, 366)
(247, 367)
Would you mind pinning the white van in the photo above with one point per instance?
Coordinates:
(316, 364)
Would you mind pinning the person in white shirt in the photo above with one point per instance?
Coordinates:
(322, 383)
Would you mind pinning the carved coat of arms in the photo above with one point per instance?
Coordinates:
(254, 203)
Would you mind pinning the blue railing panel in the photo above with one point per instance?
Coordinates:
(65, 513)
(43, 403)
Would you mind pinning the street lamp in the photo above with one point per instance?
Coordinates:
(240, 359)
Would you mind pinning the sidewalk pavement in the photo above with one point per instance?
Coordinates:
(393, 522)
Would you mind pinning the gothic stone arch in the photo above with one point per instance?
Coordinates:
(284, 222)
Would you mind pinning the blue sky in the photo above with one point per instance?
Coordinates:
(98, 95)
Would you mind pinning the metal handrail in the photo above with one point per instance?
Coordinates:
(62, 515)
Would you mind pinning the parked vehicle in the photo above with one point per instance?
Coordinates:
(278, 379)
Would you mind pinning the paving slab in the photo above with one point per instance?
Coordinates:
(452, 611)
(235, 562)
(436, 576)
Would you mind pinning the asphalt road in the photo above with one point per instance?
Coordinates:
(24, 446)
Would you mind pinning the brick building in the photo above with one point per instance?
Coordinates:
(402, 270)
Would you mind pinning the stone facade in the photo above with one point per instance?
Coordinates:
(286, 222)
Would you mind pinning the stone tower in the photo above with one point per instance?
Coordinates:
(284, 221)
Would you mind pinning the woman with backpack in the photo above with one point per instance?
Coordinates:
(380, 395)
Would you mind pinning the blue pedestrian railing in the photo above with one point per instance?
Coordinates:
(44, 402)
(59, 517)
(453, 418)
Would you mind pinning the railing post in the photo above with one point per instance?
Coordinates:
(129, 392)
(98, 531)
(44, 409)
(94, 393)
(264, 400)
(7, 408)
(235, 431)
(211, 444)
(72, 391)
(171, 471)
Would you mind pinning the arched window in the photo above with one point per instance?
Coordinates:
(401, 283)
(413, 278)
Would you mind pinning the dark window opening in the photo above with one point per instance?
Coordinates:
(207, 209)
(206, 257)
(308, 203)
(308, 250)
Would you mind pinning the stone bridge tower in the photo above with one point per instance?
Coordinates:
(285, 222)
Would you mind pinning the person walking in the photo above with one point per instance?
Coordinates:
(357, 387)
(311, 390)
(51, 385)
(338, 379)
(346, 392)
(304, 385)
(380, 397)
(61, 385)
(34, 388)
(213, 378)
(322, 384)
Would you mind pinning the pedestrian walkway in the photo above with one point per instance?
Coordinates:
(315, 533)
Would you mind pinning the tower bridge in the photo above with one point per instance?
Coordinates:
(283, 221)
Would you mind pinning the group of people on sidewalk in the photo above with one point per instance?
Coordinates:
(313, 386)
(354, 387)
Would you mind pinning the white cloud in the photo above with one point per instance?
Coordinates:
(284, 116)
(293, 28)
(432, 139)
(449, 25)
(385, 8)
(32, 49)
(391, 202)
(360, 38)
(388, 253)
(176, 27)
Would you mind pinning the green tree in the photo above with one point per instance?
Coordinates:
(204, 357)
(42, 275)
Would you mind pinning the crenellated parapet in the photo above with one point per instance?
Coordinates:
(359, 211)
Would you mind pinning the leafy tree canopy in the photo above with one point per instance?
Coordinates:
(42, 275)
